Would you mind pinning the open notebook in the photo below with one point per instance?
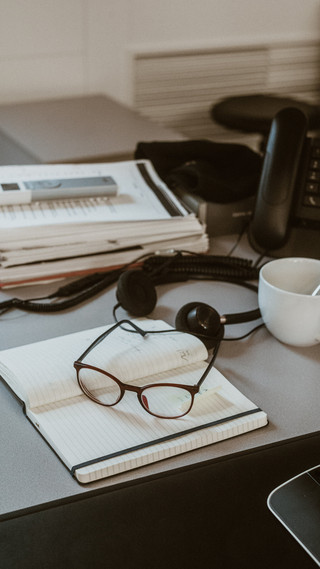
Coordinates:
(95, 441)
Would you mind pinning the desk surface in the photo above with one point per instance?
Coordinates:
(75, 129)
(282, 380)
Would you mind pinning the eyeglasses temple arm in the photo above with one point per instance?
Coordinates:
(107, 332)
(210, 365)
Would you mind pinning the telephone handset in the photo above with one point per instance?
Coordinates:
(286, 218)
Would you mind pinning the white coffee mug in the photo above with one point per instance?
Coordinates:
(289, 300)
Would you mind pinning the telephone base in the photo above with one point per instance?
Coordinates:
(302, 242)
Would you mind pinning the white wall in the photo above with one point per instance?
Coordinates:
(69, 47)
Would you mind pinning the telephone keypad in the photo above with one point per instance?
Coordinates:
(312, 200)
(315, 148)
(314, 175)
(311, 197)
(312, 188)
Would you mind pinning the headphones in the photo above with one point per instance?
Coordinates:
(137, 295)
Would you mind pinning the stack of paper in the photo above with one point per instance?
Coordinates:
(60, 238)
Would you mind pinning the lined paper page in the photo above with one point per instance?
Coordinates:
(80, 430)
(43, 372)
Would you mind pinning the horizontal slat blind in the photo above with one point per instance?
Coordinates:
(178, 89)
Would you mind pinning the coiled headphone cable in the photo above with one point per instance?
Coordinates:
(177, 267)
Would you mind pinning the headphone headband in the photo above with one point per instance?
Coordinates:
(137, 295)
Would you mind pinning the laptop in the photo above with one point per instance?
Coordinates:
(296, 504)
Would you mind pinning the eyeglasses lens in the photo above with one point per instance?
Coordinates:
(99, 386)
(161, 400)
(166, 401)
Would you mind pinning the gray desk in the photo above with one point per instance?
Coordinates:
(74, 129)
(283, 380)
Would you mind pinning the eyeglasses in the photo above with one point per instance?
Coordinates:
(162, 400)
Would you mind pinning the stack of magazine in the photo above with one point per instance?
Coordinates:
(58, 238)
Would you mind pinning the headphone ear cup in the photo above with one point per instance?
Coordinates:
(201, 320)
(136, 293)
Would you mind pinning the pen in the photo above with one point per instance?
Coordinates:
(12, 193)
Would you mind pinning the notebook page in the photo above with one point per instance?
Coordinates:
(80, 430)
(43, 372)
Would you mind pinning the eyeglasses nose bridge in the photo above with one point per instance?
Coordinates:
(134, 388)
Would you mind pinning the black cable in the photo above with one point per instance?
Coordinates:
(177, 267)
(87, 287)
(78, 285)
(206, 267)
(30, 306)
(240, 235)
(244, 335)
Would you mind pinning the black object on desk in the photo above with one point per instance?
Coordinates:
(218, 172)
(296, 503)
(254, 113)
(213, 515)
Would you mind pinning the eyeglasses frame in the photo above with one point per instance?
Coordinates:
(192, 389)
